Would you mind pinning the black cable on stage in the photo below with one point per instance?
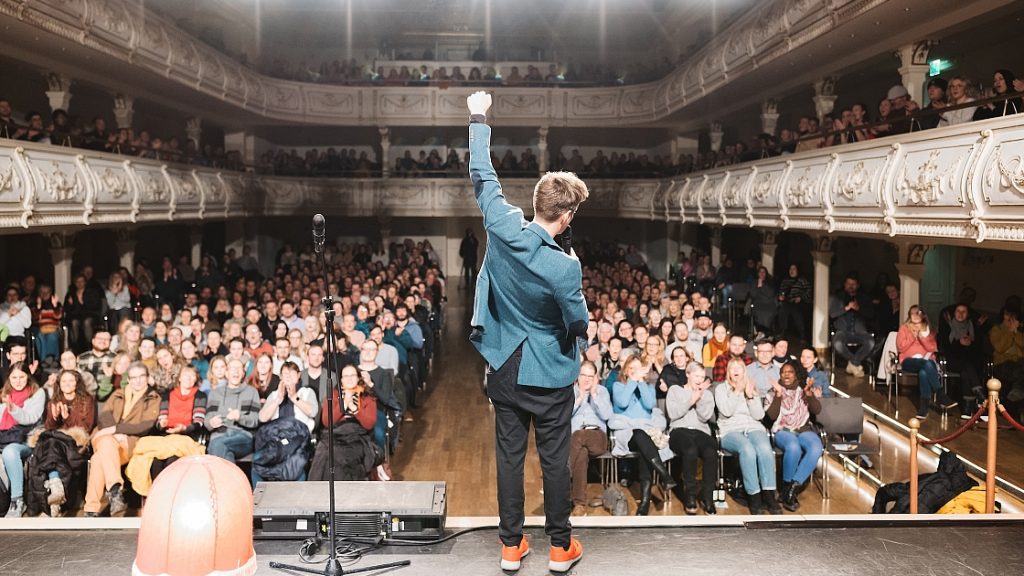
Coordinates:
(351, 553)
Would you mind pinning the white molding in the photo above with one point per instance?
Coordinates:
(128, 31)
(961, 183)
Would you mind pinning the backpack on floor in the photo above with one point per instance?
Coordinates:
(615, 501)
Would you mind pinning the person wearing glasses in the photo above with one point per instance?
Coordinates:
(232, 415)
(380, 382)
(355, 415)
(130, 413)
(590, 414)
(763, 371)
(528, 313)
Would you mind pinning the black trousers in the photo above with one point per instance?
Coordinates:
(641, 443)
(692, 444)
(550, 412)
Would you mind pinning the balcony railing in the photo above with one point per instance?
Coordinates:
(963, 182)
(959, 182)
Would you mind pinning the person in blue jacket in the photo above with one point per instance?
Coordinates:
(527, 315)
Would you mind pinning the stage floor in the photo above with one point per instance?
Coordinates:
(783, 547)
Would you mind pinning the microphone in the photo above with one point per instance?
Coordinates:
(319, 224)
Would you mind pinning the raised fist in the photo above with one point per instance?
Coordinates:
(478, 102)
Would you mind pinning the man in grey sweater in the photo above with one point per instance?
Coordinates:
(232, 414)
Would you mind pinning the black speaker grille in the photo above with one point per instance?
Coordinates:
(359, 525)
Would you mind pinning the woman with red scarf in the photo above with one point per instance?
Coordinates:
(178, 427)
(22, 402)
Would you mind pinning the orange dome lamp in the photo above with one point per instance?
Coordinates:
(197, 521)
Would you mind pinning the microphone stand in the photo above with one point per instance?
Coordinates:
(333, 566)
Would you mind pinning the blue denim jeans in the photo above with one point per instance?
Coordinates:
(800, 454)
(230, 444)
(927, 376)
(757, 458)
(47, 345)
(380, 429)
(14, 456)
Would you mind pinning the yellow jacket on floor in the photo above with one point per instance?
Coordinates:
(150, 448)
(969, 502)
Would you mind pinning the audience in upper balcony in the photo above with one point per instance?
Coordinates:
(1002, 86)
(958, 96)
(931, 115)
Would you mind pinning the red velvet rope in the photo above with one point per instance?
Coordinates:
(1006, 415)
(977, 415)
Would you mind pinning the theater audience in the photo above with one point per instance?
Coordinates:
(790, 404)
(638, 422)
(129, 414)
(58, 456)
(850, 311)
(689, 408)
(232, 414)
(179, 426)
(22, 404)
(916, 345)
(591, 411)
(287, 420)
(355, 414)
(740, 410)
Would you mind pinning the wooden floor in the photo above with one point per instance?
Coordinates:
(452, 439)
(971, 445)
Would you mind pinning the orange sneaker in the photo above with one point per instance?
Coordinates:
(512, 556)
(562, 560)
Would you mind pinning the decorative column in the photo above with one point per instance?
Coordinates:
(59, 91)
(914, 67)
(62, 248)
(716, 246)
(125, 243)
(825, 95)
(768, 246)
(195, 238)
(911, 269)
(717, 133)
(542, 149)
(194, 130)
(124, 110)
(769, 116)
(385, 147)
(822, 255)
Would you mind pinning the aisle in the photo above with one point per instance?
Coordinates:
(452, 439)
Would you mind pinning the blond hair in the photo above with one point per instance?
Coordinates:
(557, 193)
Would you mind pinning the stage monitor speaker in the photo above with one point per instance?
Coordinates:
(298, 510)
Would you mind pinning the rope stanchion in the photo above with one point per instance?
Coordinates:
(915, 425)
(977, 415)
(993, 386)
(1006, 415)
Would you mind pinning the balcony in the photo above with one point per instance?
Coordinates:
(962, 183)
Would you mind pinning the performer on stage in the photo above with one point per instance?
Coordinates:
(529, 312)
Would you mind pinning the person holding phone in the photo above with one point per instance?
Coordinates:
(916, 345)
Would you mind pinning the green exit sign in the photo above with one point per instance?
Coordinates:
(938, 66)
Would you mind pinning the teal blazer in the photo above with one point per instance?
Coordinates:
(529, 291)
